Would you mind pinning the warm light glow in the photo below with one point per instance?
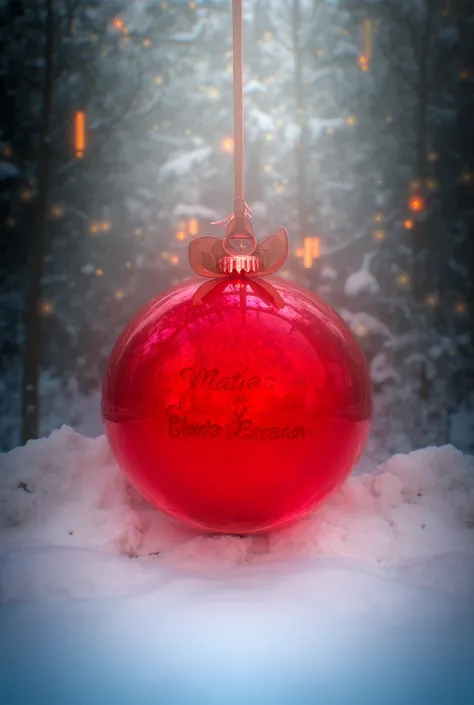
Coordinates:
(174, 259)
(193, 227)
(408, 224)
(403, 279)
(26, 194)
(99, 272)
(379, 235)
(310, 251)
(46, 307)
(180, 235)
(363, 63)
(466, 177)
(269, 136)
(433, 156)
(431, 184)
(227, 145)
(460, 308)
(147, 42)
(351, 120)
(57, 211)
(138, 232)
(80, 133)
(464, 74)
(330, 130)
(159, 79)
(119, 294)
(360, 330)
(431, 300)
(118, 23)
(415, 185)
(94, 227)
(416, 204)
(214, 93)
(268, 168)
(105, 226)
(378, 217)
(7, 152)
(128, 265)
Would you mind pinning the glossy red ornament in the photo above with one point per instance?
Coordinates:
(239, 404)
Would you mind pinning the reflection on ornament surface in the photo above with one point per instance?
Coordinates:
(234, 414)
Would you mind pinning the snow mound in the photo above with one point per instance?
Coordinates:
(66, 492)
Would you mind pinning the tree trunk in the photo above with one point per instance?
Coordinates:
(32, 354)
(302, 144)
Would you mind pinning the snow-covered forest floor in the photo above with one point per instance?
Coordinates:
(105, 599)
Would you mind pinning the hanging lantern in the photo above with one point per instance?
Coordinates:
(193, 227)
(80, 134)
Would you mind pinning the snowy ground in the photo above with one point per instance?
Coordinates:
(103, 599)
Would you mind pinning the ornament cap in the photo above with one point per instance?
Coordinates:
(239, 263)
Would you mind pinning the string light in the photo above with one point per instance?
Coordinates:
(57, 211)
(464, 74)
(147, 42)
(159, 79)
(379, 235)
(193, 227)
(408, 224)
(94, 227)
(378, 217)
(174, 259)
(431, 300)
(268, 168)
(351, 120)
(46, 307)
(80, 133)
(99, 272)
(460, 308)
(403, 279)
(360, 330)
(27, 194)
(416, 204)
(118, 23)
(433, 156)
(119, 294)
(138, 232)
(180, 235)
(431, 184)
(311, 250)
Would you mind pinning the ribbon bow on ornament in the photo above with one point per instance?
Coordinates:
(238, 256)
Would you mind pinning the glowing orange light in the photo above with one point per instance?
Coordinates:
(119, 294)
(431, 300)
(147, 42)
(433, 156)
(105, 226)
(47, 307)
(311, 250)
(99, 272)
(416, 204)
(26, 194)
(460, 308)
(464, 74)
(403, 279)
(180, 235)
(193, 226)
(80, 133)
(94, 227)
(227, 145)
(379, 235)
(378, 217)
(351, 120)
(118, 23)
(408, 224)
(363, 63)
(57, 211)
(174, 259)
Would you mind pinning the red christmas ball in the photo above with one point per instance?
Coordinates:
(234, 414)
